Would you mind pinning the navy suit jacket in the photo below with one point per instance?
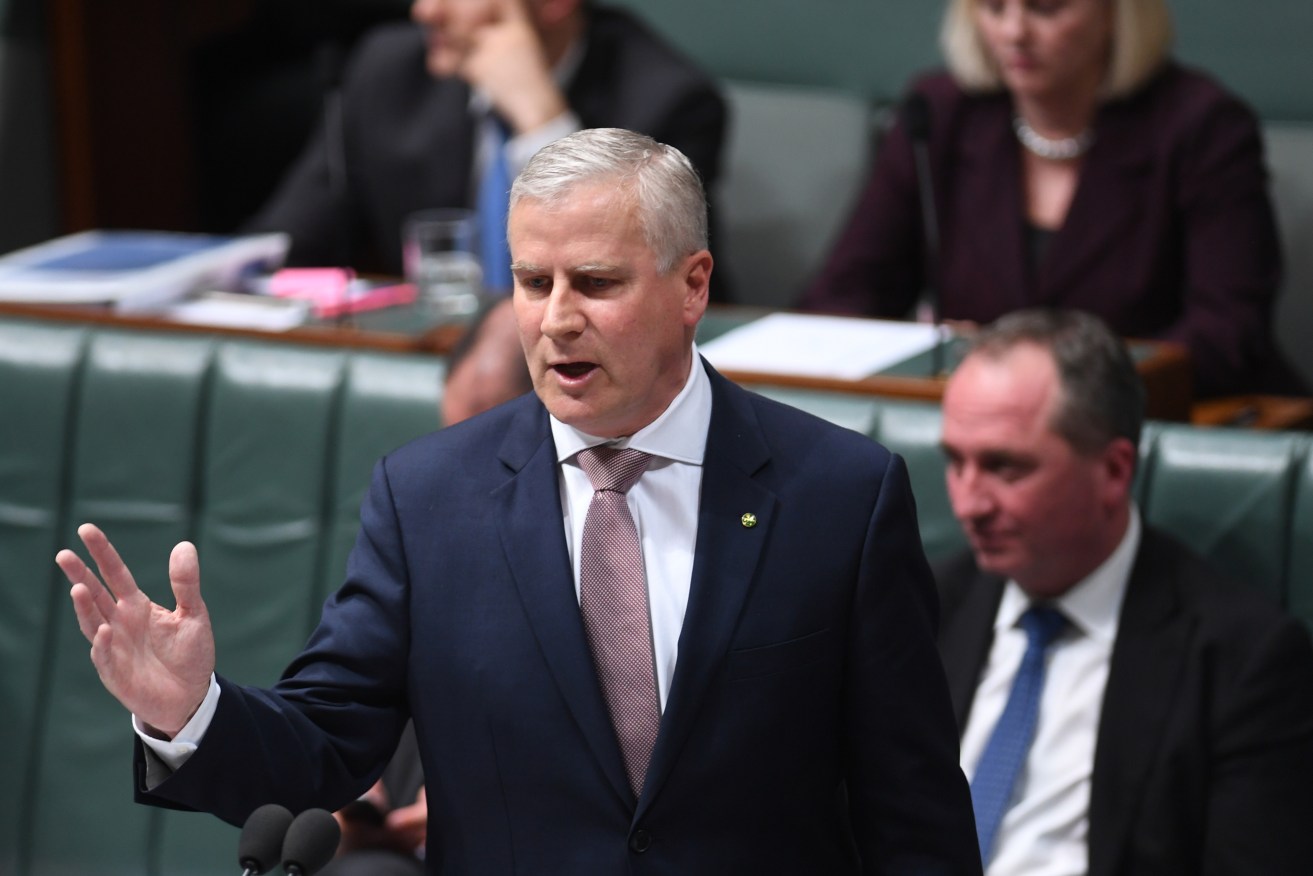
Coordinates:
(1203, 762)
(808, 727)
(1170, 233)
(409, 137)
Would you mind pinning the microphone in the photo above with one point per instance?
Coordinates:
(311, 842)
(916, 118)
(261, 844)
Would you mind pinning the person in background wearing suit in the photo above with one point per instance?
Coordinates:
(644, 620)
(430, 109)
(1168, 712)
(1074, 164)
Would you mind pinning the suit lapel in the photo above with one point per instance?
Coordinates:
(970, 604)
(533, 537)
(1147, 662)
(725, 561)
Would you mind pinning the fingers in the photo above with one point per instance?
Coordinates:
(89, 615)
(92, 603)
(185, 577)
(75, 570)
(113, 571)
(102, 653)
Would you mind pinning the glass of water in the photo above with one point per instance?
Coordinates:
(440, 249)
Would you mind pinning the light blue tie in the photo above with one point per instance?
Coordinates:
(1005, 753)
(494, 191)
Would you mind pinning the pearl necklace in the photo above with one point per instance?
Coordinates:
(1054, 150)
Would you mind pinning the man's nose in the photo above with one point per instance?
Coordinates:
(561, 315)
(969, 497)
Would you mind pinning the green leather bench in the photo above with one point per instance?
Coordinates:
(259, 452)
(1242, 498)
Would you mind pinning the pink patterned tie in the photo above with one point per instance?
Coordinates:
(613, 599)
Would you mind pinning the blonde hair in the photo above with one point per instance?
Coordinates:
(1141, 38)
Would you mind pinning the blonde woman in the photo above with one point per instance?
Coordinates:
(1074, 164)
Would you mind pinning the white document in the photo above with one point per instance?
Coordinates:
(241, 311)
(840, 347)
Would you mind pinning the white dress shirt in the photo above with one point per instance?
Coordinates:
(1046, 830)
(664, 503)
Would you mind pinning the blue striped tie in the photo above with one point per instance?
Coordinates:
(1005, 753)
(494, 189)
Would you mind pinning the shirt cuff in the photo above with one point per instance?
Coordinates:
(173, 753)
(521, 147)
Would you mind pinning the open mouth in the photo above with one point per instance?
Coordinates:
(573, 370)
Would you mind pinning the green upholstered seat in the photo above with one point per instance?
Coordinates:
(1227, 493)
(795, 161)
(39, 371)
(1299, 566)
(134, 449)
(260, 453)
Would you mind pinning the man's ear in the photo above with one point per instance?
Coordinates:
(696, 273)
(1119, 463)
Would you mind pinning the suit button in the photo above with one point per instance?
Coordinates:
(641, 841)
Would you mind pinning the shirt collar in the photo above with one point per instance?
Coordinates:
(1094, 605)
(679, 434)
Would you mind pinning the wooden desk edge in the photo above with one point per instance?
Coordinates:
(436, 340)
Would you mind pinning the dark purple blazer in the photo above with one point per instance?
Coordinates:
(409, 137)
(1170, 234)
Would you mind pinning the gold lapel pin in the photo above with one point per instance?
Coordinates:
(748, 520)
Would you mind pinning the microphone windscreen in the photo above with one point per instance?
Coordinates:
(260, 847)
(311, 841)
(916, 116)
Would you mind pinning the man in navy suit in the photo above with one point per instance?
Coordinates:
(802, 723)
(1174, 732)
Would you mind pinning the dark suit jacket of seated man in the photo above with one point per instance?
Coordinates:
(801, 718)
(1175, 731)
(409, 133)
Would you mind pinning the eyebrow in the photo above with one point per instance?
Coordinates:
(590, 268)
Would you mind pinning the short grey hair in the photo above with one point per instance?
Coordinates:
(672, 205)
(1141, 39)
(1102, 397)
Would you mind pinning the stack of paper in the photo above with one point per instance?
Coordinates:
(134, 270)
(818, 346)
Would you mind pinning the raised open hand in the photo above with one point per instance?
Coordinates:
(156, 662)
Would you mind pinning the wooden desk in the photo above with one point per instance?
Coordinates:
(398, 329)
(1255, 412)
(1165, 368)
